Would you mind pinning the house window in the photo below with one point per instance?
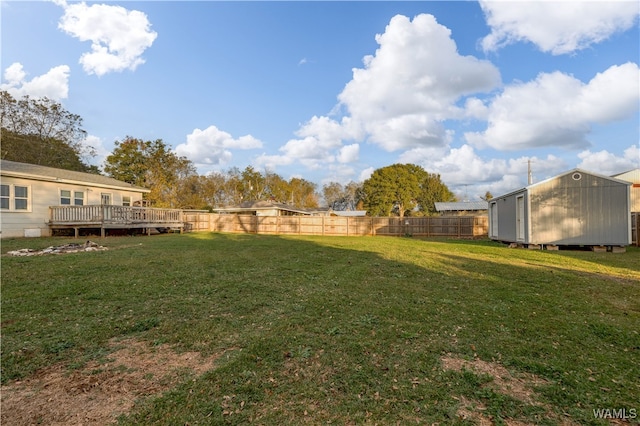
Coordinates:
(78, 198)
(126, 201)
(65, 197)
(21, 197)
(14, 197)
(4, 197)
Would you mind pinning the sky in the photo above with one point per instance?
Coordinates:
(331, 91)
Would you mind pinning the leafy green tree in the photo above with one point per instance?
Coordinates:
(151, 164)
(393, 190)
(254, 185)
(432, 190)
(128, 161)
(400, 189)
(303, 193)
(41, 131)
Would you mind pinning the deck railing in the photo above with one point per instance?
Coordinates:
(112, 215)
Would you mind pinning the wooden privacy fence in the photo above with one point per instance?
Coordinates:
(635, 229)
(432, 226)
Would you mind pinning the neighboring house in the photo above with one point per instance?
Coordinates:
(632, 176)
(27, 192)
(464, 208)
(573, 208)
(347, 213)
(265, 208)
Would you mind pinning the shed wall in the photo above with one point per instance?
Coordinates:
(590, 210)
(506, 208)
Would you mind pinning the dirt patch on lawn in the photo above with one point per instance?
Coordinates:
(101, 391)
(519, 387)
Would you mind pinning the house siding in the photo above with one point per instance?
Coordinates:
(632, 176)
(43, 194)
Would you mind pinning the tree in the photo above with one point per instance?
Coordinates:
(303, 193)
(41, 131)
(393, 189)
(433, 190)
(487, 196)
(401, 188)
(128, 161)
(151, 164)
(333, 194)
(339, 197)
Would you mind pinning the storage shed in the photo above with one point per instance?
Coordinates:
(576, 208)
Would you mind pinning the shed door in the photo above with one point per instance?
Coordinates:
(493, 215)
(520, 218)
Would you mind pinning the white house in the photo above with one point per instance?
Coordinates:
(632, 176)
(27, 191)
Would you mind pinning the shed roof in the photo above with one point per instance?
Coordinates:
(576, 170)
(461, 206)
(51, 174)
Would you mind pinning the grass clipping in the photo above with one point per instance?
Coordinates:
(100, 392)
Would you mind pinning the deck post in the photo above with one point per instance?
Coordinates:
(102, 232)
(76, 232)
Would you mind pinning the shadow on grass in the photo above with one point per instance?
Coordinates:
(325, 329)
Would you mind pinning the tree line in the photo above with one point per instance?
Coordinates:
(41, 131)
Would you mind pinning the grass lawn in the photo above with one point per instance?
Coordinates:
(337, 330)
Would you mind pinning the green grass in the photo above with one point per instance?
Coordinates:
(341, 330)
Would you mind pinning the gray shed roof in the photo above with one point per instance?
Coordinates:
(576, 170)
(461, 206)
(51, 174)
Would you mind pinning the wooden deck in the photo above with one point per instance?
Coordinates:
(107, 217)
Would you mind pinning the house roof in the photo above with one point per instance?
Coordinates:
(461, 206)
(51, 174)
(632, 176)
(250, 206)
(613, 179)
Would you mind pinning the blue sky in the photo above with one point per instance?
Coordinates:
(330, 91)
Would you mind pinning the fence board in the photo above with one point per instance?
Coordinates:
(432, 226)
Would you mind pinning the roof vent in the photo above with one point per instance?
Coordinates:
(576, 176)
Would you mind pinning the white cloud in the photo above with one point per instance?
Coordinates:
(412, 83)
(399, 100)
(465, 171)
(320, 141)
(95, 145)
(365, 174)
(349, 153)
(213, 146)
(53, 85)
(557, 109)
(608, 164)
(556, 26)
(118, 36)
